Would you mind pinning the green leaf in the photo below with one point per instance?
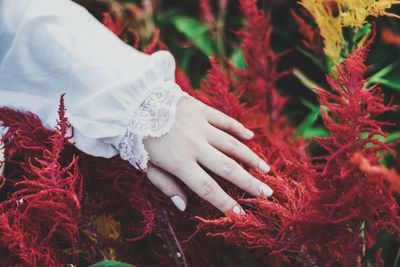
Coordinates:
(307, 82)
(306, 128)
(316, 61)
(237, 58)
(388, 139)
(307, 122)
(314, 132)
(381, 73)
(309, 104)
(392, 137)
(378, 78)
(111, 263)
(196, 31)
(390, 84)
(362, 33)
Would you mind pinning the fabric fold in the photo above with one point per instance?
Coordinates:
(54, 47)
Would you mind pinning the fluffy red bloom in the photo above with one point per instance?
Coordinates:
(121, 25)
(263, 225)
(326, 211)
(215, 92)
(311, 38)
(39, 218)
(305, 30)
(206, 13)
(155, 41)
(349, 198)
(350, 112)
(183, 81)
(115, 24)
(261, 74)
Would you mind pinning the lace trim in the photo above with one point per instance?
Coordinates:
(154, 118)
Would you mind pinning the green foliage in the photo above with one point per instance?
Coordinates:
(377, 78)
(111, 263)
(195, 31)
(307, 127)
(237, 58)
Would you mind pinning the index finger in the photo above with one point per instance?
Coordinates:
(226, 123)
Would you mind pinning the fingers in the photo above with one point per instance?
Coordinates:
(168, 185)
(227, 168)
(226, 123)
(208, 189)
(236, 149)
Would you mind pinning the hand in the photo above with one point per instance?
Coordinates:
(201, 138)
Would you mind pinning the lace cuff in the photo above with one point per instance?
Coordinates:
(154, 118)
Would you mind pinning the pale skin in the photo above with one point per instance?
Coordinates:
(203, 138)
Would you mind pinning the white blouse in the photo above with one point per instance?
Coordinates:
(115, 95)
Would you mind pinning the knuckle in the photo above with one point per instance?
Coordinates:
(193, 147)
(228, 167)
(230, 124)
(177, 159)
(254, 161)
(168, 189)
(176, 166)
(207, 189)
(233, 145)
(251, 158)
(196, 142)
(252, 185)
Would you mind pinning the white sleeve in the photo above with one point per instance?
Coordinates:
(115, 95)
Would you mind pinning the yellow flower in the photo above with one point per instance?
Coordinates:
(332, 16)
(355, 12)
(330, 26)
(108, 227)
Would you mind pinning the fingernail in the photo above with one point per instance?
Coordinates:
(263, 166)
(248, 133)
(238, 210)
(179, 203)
(265, 190)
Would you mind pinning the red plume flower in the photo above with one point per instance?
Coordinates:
(261, 74)
(39, 218)
(326, 211)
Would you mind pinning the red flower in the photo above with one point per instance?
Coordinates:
(39, 218)
(318, 208)
(259, 78)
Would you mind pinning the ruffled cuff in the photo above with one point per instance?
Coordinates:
(154, 118)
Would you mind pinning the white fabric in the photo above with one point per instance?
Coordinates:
(50, 47)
